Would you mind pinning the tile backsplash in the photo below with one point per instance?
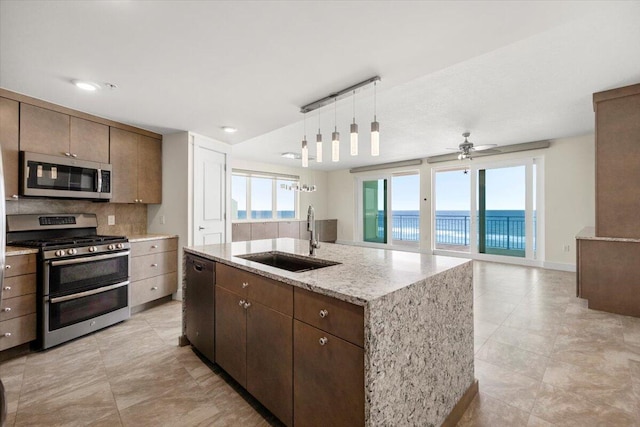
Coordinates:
(130, 218)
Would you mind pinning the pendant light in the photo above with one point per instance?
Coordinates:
(375, 128)
(305, 148)
(335, 136)
(354, 129)
(319, 142)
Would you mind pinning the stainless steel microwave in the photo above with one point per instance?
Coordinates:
(43, 175)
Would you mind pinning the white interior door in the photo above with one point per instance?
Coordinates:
(209, 196)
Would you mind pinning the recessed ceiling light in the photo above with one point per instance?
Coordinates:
(229, 129)
(88, 86)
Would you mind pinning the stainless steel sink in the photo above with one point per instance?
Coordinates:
(289, 262)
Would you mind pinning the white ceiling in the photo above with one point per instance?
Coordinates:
(509, 72)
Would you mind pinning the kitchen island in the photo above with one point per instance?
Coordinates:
(415, 335)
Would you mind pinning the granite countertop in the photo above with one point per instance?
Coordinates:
(365, 274)
(17, 250)
(145, 237)
(589, 233)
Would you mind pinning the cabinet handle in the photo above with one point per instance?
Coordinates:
(74, 155)
(7, 267)
(241, 303)
(323, 341)
(155, 288)
(245, 284)
(135, 201)
(154, 265)
(324, 313)
(7, 288)
(154, 246)
(140, 200)
(15, 196)
(67, 154)
(6, 309)
(6, 334)
(246, 305)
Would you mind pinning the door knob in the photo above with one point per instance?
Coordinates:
(200, 227)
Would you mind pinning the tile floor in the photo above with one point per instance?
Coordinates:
(542, 358)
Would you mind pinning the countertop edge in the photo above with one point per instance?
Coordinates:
(147, 237)
(589, 233)
(18, 250)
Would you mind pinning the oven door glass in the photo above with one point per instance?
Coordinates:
(76, 310)
(48, 176)
(79, 274)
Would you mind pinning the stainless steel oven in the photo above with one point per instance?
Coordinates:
(84, 294)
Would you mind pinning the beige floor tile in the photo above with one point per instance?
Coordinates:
(513, 358)
(487, 411)
(538, 324)
(597, 352)
(538, 422)
(484, 329)
(507, 386)
(525, 340)
(561, 407)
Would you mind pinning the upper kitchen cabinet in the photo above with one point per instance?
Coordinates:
(9, 134)
(51, 132)
(137, 167)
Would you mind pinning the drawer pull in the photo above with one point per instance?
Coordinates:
(15, 196)
(7, 267)
(154, 246)
(246, 305)
(241, 303)
(154, 288)
(6, 334)
(7, 288)
(245, 284)
(324, 313)
(154, 264)
(323, 340)
(6, 309)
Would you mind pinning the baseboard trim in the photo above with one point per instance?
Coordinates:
(559, 266)
(458, 411)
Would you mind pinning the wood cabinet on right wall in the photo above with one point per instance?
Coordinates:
(137, 167)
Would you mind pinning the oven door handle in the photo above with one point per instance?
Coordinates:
(88, 259)
(88, 293)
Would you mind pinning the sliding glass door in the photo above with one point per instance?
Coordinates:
(374, 209)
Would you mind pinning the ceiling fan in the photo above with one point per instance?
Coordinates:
(467, 148)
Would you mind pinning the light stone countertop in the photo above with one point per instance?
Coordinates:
(364, 275)
(589, 233)
(17, 250)
(146, 237)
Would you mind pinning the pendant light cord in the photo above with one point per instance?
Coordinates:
(335, 114)
(354, 106)
(375, 119)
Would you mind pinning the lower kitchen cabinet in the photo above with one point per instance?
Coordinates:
(154, 265)
(328, 379)
(231, 334)
(200, 276)
(18, 310)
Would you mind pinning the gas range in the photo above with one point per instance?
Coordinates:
(64, 247)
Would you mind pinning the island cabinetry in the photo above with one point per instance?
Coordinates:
(50, 132)
(254, 336)
(18, 310)
(9, 141)
(137, 167)
(200, 276)
(154, 265)
(328, 360)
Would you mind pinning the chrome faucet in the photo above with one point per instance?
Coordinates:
(311, 227)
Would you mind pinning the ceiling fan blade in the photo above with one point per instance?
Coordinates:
(484, 147)
(452, 149)
(490, 151)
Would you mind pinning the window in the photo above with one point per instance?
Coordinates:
(262, 195)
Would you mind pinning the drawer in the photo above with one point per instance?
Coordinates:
(18, 306)
(153, 288)
(152, 265)
(255, 288)
(20, 264)
(340, 318)
(153, 246)
(19, 285)
(17, 331)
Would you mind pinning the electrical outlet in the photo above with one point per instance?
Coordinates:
(111, 220)
(163, 220)
(566, 248)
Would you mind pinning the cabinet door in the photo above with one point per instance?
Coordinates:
(89, 140)
(231, 335)
(9, 125)
(270, 360)
(149, 170)
(43, 131)
(200, 305)
(123, 152)
(328, 380)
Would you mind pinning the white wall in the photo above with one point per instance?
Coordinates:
(569, 196)
(317, 198)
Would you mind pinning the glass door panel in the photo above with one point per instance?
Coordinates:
(374, 208)
(405, 208)
(452, 207)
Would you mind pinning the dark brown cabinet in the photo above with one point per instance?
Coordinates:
(254, 336)
(9, 134)
(328, 379)
(137, 167)
(50, 132)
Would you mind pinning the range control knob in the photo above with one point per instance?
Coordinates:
(72, 251)
(59, 252)
(92, 249)
(119, 246)
(111, 247)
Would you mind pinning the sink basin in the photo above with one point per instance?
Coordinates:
(289, 262)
